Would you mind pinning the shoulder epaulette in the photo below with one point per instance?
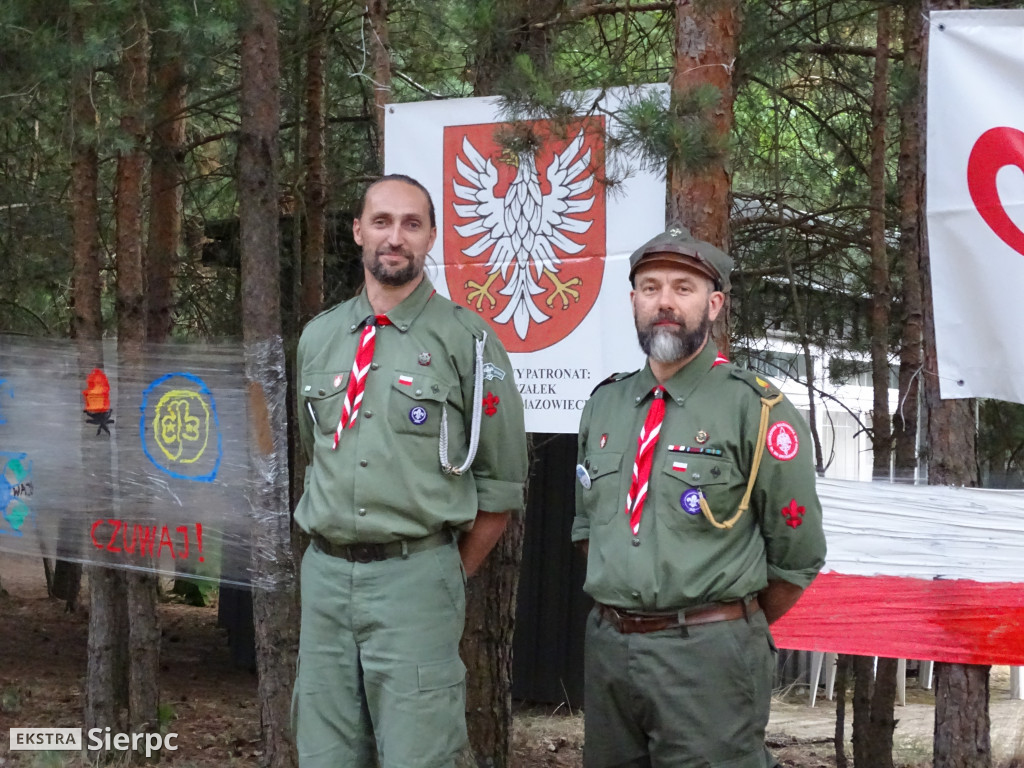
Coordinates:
(758, 383)
(615, 377)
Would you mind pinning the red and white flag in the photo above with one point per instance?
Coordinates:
(916, 572)
(975, 204)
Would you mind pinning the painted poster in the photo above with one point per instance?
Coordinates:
(976, 200)
(532, 236)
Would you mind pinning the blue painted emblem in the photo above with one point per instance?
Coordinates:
(418, 415)
(690, 500)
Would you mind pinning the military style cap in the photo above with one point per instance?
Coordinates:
(679, 245)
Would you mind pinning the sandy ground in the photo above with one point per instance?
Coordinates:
(212, 705)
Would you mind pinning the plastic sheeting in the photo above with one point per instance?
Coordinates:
(157, 480)
(918, 572)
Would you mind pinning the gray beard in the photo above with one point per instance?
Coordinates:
(664, 346)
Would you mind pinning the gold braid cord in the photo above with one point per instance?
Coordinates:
(762, 432)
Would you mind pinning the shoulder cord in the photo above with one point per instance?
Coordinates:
(762, 432)
(474, 432)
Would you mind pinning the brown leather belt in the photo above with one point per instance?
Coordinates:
(370, 553)
(631, 622)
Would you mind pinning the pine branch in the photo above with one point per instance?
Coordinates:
(833, 49)
(594, 9)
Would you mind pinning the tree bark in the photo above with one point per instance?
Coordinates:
(275, 611)
(86, 318)
(961, 716)
(106, 692)
(486, 648)
(315, 188)
(911, 191)
(843, 667)
(699, 189)
(377, 11)
(881, 290)
(133, 74)
(165, 182)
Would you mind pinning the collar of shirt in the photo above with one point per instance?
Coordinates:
(682, 384)
(402, 316)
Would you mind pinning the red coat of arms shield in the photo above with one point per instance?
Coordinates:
(524, 231)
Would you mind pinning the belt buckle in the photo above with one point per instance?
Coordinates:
(366, 553)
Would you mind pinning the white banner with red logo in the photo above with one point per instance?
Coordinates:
(532, 237)
(976, 200)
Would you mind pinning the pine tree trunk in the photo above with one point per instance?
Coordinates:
(883, 722)
(143, 652)
(962, 737)
(133, 74)
(486, 648)
(315, 169)
(911, 191)
(881, 289)
(86, 318)
(699, 192)
(843, 668)
(377, 10)
(275, 610)
(863, 681)
(165, 182)
(140, 634)
(106, 691)
(961, 691)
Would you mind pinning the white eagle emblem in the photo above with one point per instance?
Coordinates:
(525, 227)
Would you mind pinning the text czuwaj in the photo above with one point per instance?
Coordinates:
(144, 540)
(545, 381)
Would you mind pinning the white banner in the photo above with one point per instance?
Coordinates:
(976, 200)
(533, 240)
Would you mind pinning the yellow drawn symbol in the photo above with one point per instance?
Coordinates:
(181, 425)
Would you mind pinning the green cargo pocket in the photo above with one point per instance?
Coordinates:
(441, 674)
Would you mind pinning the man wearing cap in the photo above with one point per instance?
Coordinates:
(696, 507)
(413, 426)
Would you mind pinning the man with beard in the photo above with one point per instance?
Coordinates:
(697, 511)
(410, 482)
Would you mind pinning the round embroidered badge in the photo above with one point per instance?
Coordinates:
(418, 415)
(690, 501)
(782, 442)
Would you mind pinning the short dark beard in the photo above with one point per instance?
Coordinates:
(673, 345)
(403, 276)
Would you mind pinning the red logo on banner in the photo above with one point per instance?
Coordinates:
(524, 232)
(995, 149)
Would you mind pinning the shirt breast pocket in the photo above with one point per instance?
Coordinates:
(685, 478)
(323, 396)
(601, 500)
(415, 403)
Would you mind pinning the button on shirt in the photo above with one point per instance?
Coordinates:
(679, 559)
(384, 482)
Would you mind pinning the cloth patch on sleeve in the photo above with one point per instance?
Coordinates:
(782, 441)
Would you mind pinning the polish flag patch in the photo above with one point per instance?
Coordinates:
(405, 380)
(678, 466)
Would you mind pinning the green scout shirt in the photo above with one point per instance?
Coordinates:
(679, 559)
(384, 482)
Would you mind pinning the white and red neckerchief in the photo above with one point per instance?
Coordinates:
(645, 459)
(357, 381)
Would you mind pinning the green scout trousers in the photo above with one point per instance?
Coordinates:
(693, 698)
(379, 675)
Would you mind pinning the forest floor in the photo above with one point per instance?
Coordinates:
(212, 704)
